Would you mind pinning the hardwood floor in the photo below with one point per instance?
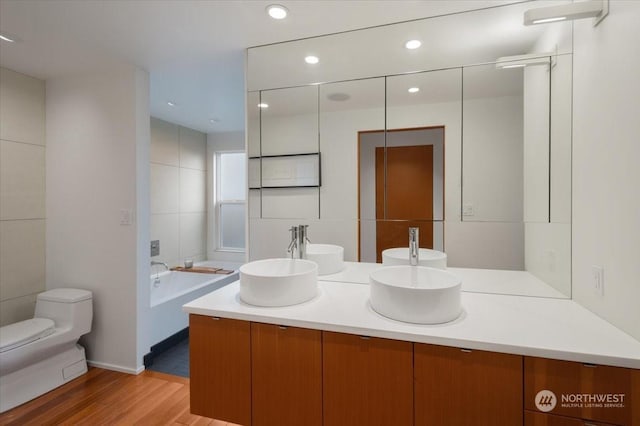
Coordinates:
(104, 397)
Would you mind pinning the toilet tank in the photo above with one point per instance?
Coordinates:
(67, 307)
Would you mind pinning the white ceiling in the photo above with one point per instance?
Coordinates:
(193, 50)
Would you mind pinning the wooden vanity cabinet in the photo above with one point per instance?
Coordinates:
(256, 374)
(366, 380)
(220, 368)
(575, 379)
(286, 372)
(463, 387)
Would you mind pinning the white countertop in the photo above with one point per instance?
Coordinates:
(535, 326)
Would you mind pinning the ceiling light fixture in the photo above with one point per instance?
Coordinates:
(171, 104)
(413, 89)
(338, 97)
(263, 105)
(311, 59)
(521, 61)
(7, 37)
(413, 44)
(585, 9)
(277, 11)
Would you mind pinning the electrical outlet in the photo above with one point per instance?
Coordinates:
(597, 279)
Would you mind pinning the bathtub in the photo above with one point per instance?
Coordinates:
(175, 289)
(168, 285)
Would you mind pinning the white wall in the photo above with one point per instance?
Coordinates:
(95, 151)
(22, 194)
(178, 192)
(606, 198)
(218, 142)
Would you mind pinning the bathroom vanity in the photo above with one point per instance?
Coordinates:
(333, 360)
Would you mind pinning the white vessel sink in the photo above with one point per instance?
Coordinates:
(278, 282)
(427, 257)
(415, 294)
(329, 257)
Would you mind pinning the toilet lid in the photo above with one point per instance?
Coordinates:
(65, 295)
(23, 332)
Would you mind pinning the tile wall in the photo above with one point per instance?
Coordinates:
(178, 192)
(22, 194)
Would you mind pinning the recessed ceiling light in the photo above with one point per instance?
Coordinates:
(171, 104)
(7, 37)
(263, 105)
(311, 59)
(414, 89)
(214, 120)
(338, 97)
(277, 11)
(413, 44)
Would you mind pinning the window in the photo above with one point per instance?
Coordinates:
(230, 197)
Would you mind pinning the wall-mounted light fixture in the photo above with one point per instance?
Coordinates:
(521, 61)
(566, 12)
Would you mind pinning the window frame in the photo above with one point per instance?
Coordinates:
(218, 203)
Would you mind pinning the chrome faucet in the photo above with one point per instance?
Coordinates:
(414, 246)
(153, 263)
(293, 245)
(298, 245)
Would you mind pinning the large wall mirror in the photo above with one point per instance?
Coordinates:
(465, 139)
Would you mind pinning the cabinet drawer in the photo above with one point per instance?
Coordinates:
(586, 391)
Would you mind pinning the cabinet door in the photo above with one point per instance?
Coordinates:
(367, 381)
(575, 385)
(220, 368)
(286, 370)
(460, 387)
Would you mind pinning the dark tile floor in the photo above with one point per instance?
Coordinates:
(174, 360)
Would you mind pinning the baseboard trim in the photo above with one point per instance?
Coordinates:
(114, 367)
(164, 345)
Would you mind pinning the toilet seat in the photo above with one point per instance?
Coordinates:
(18, 334)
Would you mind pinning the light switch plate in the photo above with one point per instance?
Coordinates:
(126, 217)
(155, 248)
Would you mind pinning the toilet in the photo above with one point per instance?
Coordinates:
(42, 353)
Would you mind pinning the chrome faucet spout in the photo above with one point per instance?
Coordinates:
(153, 263)
(414, 246)
(302, 241)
